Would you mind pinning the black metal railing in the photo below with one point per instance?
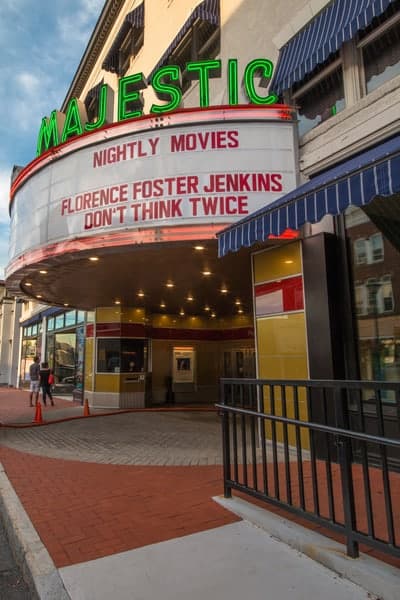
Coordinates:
(328, 451)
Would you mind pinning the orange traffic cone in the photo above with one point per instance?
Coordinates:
(38, 414)
(86, 411)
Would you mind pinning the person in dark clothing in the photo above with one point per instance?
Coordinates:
(44, 374)
(34, 370)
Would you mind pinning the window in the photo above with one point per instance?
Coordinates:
(369, 250)
(129, 48)
(386, 298)
(70, 318)
(360, 252)
(121, 355)
(201, 42)
(376, 247)
(360, 299)
(92, 102)
(380, 48)
(127, 43)
(319, 98)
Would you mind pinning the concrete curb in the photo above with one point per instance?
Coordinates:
(36, 565)
(376, 577)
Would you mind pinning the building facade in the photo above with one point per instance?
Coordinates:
(182, 124)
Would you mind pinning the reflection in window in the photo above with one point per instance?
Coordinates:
(376, 284)
(321, 101)
(360, 252)
(381, 58)
(368, 250)
(121, 355)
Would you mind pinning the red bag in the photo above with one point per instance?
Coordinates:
(51, 379)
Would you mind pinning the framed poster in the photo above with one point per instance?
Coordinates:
(183, 365)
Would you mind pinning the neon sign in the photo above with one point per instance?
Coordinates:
(167, 86)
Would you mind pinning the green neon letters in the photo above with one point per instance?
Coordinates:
(167, 86)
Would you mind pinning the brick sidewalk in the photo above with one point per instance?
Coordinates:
(85, 510)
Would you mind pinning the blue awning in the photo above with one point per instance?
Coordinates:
(134, 19)
(37, 318)
(208, 10)
(356, 182)
(323, 36)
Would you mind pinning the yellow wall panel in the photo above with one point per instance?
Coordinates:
(89, 345)
(282, 354)
(277, 263)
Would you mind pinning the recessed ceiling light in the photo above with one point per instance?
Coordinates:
(140, 294)
(199, 247)
(182, 312)
(206, 272)
(224, 290)
(39, 296)
(94, 258)
(117, 301)
(66, 304)
(28, 284)
(213, 315)
(162, 305)
(43, 272)
(240, 311)
(169, 284)
(238, 302)
(288, 262)
(189, 298)
(207, 308)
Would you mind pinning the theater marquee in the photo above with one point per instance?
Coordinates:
(194, 167)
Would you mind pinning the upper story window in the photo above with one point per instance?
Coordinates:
(379, 45)
(321, 97)
(201, 42)
(198, 39)
(92, 101)
(127, 43)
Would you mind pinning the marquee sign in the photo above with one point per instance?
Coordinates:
(167, 86)
(209, 167)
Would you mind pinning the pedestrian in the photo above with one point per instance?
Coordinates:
(34, 371)
(44, 374)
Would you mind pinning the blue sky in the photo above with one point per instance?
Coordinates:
(41, 44)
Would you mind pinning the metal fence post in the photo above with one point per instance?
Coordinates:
(345, 461)
(225, 444)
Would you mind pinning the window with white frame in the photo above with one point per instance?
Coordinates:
(361, 300)
(387, 301)
(376, 253)
(378, 294)
(369, 250)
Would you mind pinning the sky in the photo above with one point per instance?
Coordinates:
(41, 45)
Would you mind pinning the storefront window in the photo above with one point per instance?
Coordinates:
(376, 285)
(28, 351)
(121, 356)
(70, 318)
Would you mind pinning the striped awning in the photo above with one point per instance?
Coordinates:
(356, 182)
(323, 36)
(134, 19)
(208, 10)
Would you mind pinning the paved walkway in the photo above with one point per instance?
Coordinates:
(124, 483)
